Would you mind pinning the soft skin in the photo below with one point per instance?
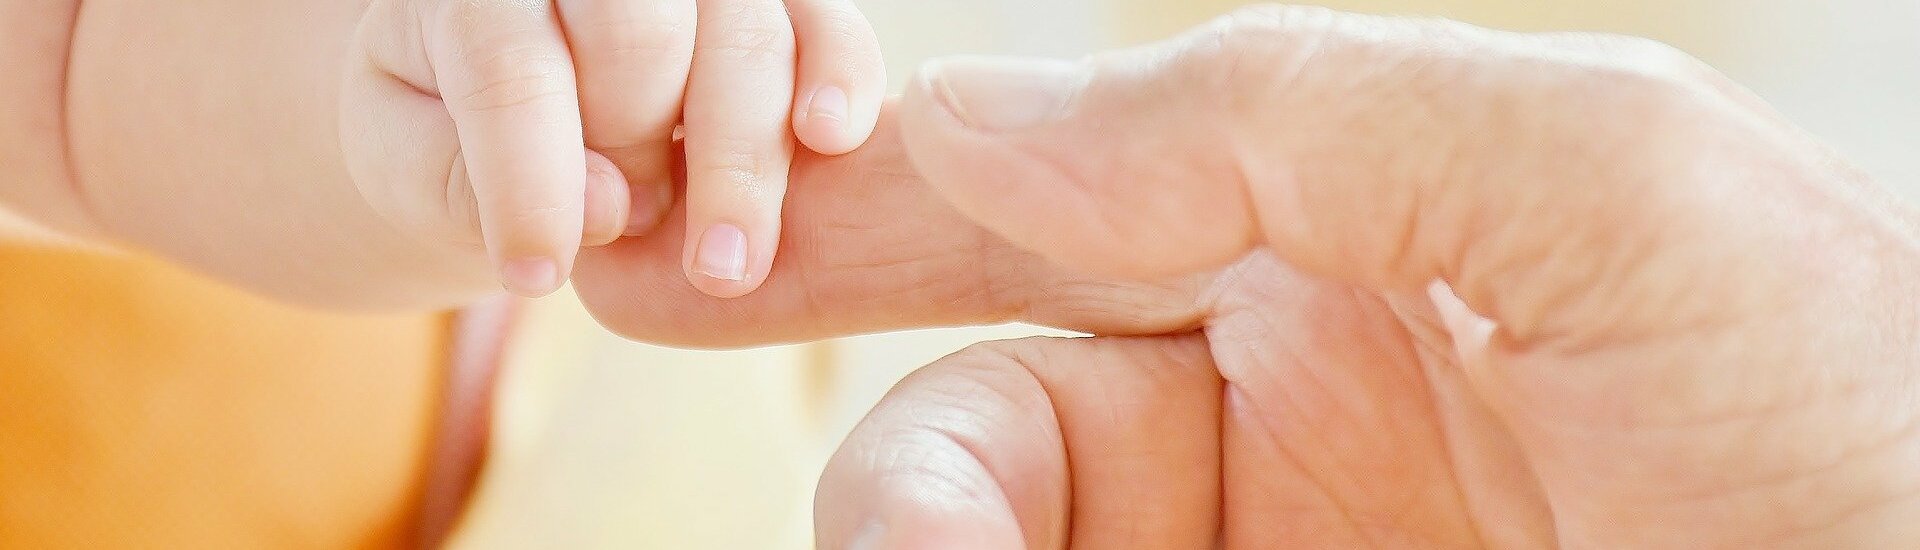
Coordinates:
(227, 136)
(1421, 284)
(1416, 282)
(520, 124)
(178, 131)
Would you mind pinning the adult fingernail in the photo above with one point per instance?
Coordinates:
(829, 107)
(869, 537)
(531, 277)
(1006, 93)
(722, 253)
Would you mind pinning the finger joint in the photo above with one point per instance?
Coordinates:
(749, 34)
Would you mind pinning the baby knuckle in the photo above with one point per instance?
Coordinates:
(537, 214)
(847, 26)
(640, 39)
(750, 35)
(514, 76)
(738, 164)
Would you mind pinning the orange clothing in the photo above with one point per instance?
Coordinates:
(143, 406)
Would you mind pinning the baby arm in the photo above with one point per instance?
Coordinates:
(36, 197)
(210, 133)
(204, 132)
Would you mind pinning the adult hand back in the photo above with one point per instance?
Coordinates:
(1455, 287)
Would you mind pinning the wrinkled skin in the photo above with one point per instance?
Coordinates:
(1418, 285)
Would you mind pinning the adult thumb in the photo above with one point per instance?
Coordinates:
(1385, 153)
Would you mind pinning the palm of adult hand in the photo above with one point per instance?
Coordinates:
(1336, 419)
(1351, 419)
(1311, 414)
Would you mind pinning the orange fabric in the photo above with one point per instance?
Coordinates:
(145, 407)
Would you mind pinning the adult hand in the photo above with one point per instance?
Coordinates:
(1454, 288)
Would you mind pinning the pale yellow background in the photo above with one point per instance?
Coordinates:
(609, 444)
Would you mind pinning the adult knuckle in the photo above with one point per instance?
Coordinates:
(1655, 92)
(1656, 59)
(1640, 76)
(1649, 118)
(1268, 19)
(1241, 58)
(1268, 26)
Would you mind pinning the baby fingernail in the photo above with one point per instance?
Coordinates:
(829, 105)
(531, 277)
(1006, 93)
(722, 253)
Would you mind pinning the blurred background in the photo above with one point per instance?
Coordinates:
(604, 443)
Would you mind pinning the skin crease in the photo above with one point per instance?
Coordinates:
(166, 150)
(470, 121)
(1455, 288)
(1705, 325)
(164, 106)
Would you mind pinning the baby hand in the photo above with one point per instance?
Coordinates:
(532, 127)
